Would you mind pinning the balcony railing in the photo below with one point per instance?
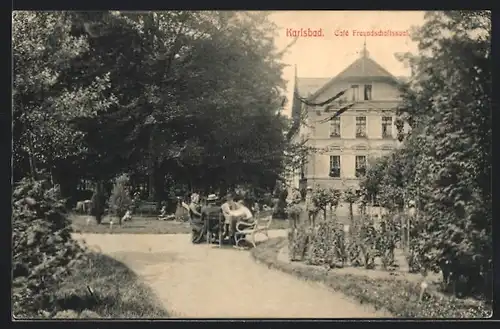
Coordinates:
(361, 134)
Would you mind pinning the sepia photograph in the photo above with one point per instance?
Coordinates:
(176, 165)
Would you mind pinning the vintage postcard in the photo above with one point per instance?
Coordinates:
(251, 165)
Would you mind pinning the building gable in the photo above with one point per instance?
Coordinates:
(362, 68)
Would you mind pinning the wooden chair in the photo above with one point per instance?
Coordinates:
(247, 231)
(220, 228)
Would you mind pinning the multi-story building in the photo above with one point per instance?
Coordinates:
(346, 143)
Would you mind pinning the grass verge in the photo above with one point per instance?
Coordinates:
(398, 297)
(141, 225)
(115, 292)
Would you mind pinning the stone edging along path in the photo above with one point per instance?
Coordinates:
(270, 253)
(379, 290)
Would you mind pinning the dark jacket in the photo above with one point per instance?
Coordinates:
(211, 212)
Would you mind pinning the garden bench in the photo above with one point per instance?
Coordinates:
(146, 208)
(261, 224)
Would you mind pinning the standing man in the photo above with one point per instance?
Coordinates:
(310, 207)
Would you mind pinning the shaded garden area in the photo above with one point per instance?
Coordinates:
(121, 111)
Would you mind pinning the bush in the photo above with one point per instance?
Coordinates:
(349, 196)
(299, 238)
(335, 197)
(321, 198)
(120, 200)
(368, 244)
(398, 296)
(327, 246)
(43, 251)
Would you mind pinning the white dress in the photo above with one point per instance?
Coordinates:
(242, 213)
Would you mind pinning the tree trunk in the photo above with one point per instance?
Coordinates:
(151, 185)
(31, 157)
(351, 214)
(159, 187)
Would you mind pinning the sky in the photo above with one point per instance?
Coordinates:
(328, 55)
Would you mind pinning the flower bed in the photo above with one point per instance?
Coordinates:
(397, 296)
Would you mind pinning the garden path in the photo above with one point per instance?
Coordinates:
(203, 281)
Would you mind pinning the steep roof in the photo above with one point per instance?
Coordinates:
(362, 67)
(308, 86)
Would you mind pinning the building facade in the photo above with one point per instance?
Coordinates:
(346, 144)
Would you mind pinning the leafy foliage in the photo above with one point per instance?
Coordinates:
(335, 198)
(120, 199)
(327, 246)
(299, 242)
(349, 196)
(44, 108)
(321, 198)
(445, 161)
(191, 95)
(43, 251)
(399, 297)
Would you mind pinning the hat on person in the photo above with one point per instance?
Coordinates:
(212, 197)
(309, 188)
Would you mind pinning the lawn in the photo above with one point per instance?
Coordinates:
(103, 287)
(142, 225)
(397, 295)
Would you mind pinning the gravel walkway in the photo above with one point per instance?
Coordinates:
(202, 281)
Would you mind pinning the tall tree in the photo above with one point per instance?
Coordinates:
(447, 103)
(44, 108)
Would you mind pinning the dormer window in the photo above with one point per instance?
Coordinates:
(368, 92)
(355, 93)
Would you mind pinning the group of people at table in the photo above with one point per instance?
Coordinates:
(214, 218)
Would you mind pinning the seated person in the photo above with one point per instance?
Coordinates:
(127, 216)
(226, 208)
(256, 207)
(163, 213)
(240, 214)
(211, 215)
(197, 225)
(195, 208)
